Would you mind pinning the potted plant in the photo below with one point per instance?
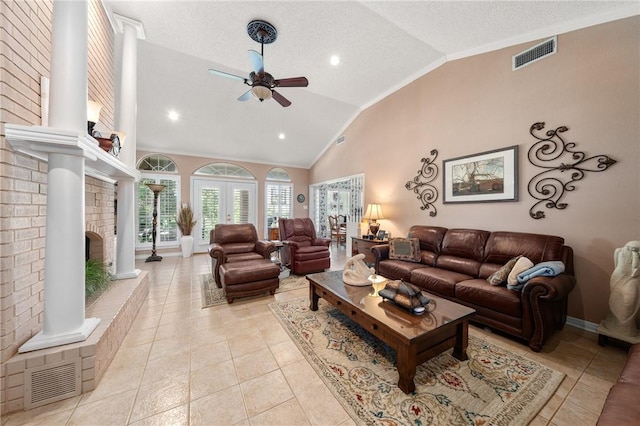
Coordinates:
(186, 221)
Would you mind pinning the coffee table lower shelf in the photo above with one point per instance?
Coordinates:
(413, 344)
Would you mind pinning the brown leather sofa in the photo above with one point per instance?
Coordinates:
(236, 243)
(455, 264)
(303, 251)
(621, 407)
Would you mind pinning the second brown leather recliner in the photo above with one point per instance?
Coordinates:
(303, 251)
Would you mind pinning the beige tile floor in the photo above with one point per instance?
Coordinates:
(235, 365)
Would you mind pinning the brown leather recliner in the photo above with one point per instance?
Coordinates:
(236, 243)
(303, 252)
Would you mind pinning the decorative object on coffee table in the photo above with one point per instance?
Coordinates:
(563, 166)
(157, 189)
(421, 184)
(624, 301)
(356, 272)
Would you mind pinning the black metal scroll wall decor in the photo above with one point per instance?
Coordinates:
(421, 184)
(550, 153)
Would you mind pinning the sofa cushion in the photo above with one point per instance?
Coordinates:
(398, 269)
(463, 251)
(430, 237)
(521, 265)
(502, 246)
(439, 281)
(500, 276)
(242, 257)
(479, 292)
(311, 252)
(233, 248)
(405, 249)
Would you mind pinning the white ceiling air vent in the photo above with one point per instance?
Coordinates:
(340, 140)
(537, 52)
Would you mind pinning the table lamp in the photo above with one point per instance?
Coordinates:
(374, 212)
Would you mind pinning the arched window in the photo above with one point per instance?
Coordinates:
(157, 163)
(278, 199)
(224, 169)
(157, 168)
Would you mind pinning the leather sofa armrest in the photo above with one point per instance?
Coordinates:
(265, 248)
(321, 242)
(217, 253)
(550, 288)
(380, 252)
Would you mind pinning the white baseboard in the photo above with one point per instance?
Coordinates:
(582, 324)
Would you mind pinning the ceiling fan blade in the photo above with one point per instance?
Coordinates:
(257, 61)
(226, 74)
(281, 99)
(245, 96)
(292, 82)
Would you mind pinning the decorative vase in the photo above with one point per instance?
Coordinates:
(186, 244)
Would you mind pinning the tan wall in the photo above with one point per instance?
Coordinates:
(477, 104)
(188, 164)
(25, 52)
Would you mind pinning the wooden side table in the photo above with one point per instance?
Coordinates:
(363, 245)
(274, 234)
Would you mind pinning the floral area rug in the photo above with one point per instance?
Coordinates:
(493, 387)
(212, 295)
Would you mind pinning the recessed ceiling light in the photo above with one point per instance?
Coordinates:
(173, 115)
(335, 60)
(281, 136)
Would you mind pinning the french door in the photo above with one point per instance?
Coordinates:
(220, 201)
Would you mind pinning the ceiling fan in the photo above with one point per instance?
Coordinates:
(262, 83)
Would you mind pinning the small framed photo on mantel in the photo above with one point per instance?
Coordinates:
(485, 177)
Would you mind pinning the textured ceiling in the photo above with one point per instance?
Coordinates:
(383, 45)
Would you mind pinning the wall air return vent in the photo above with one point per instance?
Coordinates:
(52, 382)
(529, 56)
(340, 140)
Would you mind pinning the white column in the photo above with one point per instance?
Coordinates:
(126, 122)
(68, 86)
(64, 278)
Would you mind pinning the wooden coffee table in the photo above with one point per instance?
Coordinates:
(416, 338)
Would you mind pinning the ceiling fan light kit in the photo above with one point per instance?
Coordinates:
(261, 82)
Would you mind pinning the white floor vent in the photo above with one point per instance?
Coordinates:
(340, 140)
(537, 52)
(52, 382)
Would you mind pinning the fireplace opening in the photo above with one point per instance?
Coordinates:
(94, 247)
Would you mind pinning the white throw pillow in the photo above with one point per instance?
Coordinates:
(521, 265)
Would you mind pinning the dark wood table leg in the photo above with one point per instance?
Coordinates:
(407, 359)
(313, 297)
(462, 341)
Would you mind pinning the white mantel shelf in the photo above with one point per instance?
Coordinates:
(38, 142)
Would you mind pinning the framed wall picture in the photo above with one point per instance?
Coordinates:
(484, 177)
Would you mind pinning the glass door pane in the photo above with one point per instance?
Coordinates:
(215, 202)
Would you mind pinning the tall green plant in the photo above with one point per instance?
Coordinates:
(96, 276)
(186, 219)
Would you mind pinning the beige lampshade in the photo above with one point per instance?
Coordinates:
(121, 135)
(93, 111)
(374, 212)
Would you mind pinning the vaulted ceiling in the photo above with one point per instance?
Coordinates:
(382, 46)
